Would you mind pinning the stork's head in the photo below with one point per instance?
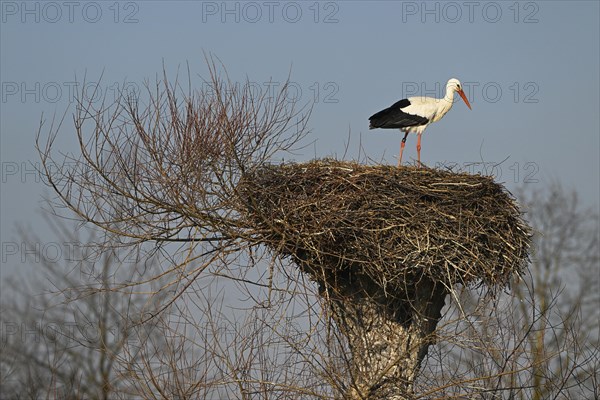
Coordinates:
(454, 85)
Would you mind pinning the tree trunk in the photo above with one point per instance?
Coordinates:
(388, 334)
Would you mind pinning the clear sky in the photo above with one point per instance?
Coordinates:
(530, 70)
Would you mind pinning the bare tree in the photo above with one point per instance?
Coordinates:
(167, 172)
(65, 329)
(267, 351)
(344, 268)
(565, 280)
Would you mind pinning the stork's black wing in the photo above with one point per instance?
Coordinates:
(394, 118)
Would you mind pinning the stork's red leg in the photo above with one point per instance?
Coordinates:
(419, 148)
(402, 144)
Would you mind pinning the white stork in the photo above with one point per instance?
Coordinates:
(416, 113)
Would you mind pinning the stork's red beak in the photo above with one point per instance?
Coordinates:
(462, 94)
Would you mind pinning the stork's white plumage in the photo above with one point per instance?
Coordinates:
(416, 113)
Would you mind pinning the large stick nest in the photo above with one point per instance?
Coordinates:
(395, 225)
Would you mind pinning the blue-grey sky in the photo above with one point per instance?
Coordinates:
(530, 70)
